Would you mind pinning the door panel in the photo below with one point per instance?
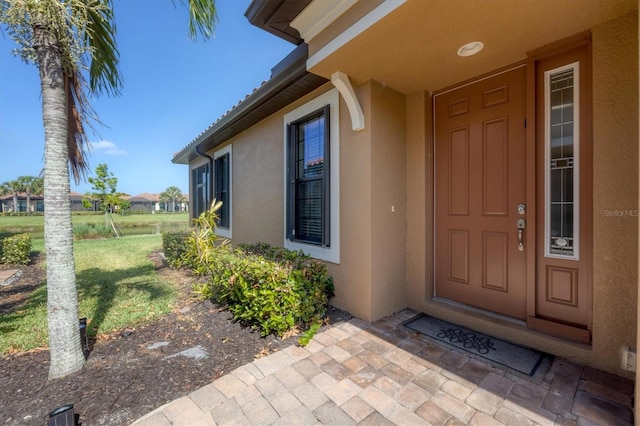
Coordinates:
(480, 181)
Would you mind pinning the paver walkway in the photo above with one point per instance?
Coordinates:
(383, 374)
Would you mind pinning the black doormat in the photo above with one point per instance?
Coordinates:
(516, 357)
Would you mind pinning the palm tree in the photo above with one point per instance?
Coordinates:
(172, 193)
(67, 39)
(31, 185)
(4, 190)
(13, 187)
(181, 200)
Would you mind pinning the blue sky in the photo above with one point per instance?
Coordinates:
(174, 88)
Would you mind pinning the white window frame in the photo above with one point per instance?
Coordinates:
(225, 232)
(576, 161)
(192, 194)
(331, 98)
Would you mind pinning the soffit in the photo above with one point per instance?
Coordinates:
(414, 47)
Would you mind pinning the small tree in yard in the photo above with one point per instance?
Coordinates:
(104, 191)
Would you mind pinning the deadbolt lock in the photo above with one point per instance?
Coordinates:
(522, 208)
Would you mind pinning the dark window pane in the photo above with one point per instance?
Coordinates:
(556, 185)
(568, 184)
(306, 211)
(309, 208)
(223, 189)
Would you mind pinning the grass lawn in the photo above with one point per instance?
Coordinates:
(117, 284)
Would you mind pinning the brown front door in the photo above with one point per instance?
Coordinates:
(480, 167)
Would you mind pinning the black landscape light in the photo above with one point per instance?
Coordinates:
(62, 416)
(84, 342)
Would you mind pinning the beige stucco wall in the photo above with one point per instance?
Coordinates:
(419, 184)
(388, 200)
(615, 173)
(370, 279)
(353, 275)
(258, 183)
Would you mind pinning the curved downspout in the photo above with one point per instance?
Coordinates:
(202, 154)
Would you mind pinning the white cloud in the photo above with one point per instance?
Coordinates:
(107, 148)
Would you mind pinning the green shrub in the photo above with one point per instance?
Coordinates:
(91, 231)
(15, 250)
(174, 247)
(266, 287)
(273, 289)
(202, 243)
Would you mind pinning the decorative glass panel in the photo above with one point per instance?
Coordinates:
(562, 167)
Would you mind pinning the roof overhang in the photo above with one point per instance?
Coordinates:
(289, 82)
(274, 16)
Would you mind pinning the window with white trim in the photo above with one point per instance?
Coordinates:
(312, 191)
(308, 194)
(222, 189)
(200, 181)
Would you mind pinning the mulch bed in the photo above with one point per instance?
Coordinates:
(134, 371)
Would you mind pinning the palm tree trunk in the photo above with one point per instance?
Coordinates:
(62, 302)
(15, 202)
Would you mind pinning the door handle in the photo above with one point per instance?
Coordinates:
(521, 224)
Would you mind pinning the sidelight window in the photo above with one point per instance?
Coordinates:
(562, 161)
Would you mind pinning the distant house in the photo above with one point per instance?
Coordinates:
(76, 203)
(479, 163)
(145, 202)
(36, 203)
(151, 203)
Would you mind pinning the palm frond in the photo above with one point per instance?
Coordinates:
(78, 109)
(99, 35)
(202, 18)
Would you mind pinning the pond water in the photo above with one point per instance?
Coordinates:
(158, 228)
(37, 232)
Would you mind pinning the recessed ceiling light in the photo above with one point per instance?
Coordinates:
(471, 48)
